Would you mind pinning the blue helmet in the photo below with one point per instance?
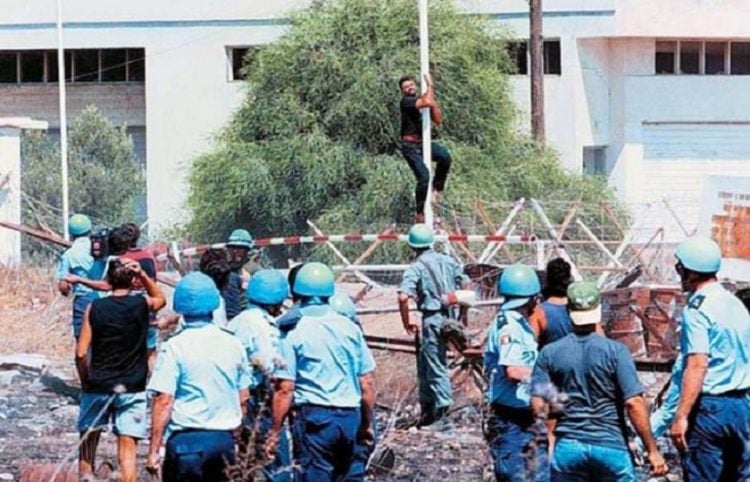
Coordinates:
(79, 224)
(421, 236)
(196, 295)
(699, 254)
(518, 283)
(268, 287)
(314, 279)
(241, 238)
(343, 305)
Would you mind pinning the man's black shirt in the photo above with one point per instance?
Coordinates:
(411, 118)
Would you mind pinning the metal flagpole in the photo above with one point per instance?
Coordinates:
(63, 120)
(424, 54)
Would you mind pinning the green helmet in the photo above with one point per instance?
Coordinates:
(421, 236)
(241, 238)
(79, 224)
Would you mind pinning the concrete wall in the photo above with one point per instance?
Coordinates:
(123, 104)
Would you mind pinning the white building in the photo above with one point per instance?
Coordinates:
(653, 94)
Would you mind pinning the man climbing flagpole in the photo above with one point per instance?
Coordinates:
(416, 134)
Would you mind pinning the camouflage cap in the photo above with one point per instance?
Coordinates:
(584, 303)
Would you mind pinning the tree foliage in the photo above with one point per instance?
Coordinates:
(316, 136)
(104, 175)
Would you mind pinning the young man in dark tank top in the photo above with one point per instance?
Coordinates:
(112, 364)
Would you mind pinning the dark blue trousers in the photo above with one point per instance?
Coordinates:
(325, 442)
(412, 152)
(718, 439)
(518, 448)
(198, 456)
(80, 303)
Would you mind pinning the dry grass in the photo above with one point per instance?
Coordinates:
(35, 317)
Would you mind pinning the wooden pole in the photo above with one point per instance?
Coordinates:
(536, 49)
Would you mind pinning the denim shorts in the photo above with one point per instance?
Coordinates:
(127, 412)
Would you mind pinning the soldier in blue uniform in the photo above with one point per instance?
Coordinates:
(432, 276)
(518, 448)
(257, 330)
(77, 260)
(328, 376)
(200, 383)
(712, 420)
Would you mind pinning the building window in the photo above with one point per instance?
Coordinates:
(114, 65)
(552, 57)
(666, 57)
(8, 67)
(136, 65)
(81, 65)
(518, 51)
(239, 58)
(519, 55)
(715, 58)
(690, 57)
(740, 58)
(32, 66)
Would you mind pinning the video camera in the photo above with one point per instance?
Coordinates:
(100, 242)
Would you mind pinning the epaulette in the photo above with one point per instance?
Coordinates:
(289, 320)
(696, 301)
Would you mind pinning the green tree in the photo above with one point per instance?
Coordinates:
(317, 134)
(104, 175)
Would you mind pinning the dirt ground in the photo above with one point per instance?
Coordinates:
(39, 405)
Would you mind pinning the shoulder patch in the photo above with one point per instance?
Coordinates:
(696, 301)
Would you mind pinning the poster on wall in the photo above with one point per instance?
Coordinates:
(725, 217)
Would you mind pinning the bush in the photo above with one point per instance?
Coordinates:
(104, 176)
(317, 134)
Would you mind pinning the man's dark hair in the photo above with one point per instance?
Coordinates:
(117, 242)
(215, 264)
(119, 276)
(291, 277)
(405, 78)
(131, 234)
(558, 278)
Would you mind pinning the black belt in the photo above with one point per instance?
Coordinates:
(511, 412)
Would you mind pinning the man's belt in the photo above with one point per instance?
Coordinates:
(411, 138)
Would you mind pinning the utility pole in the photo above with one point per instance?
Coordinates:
(424, 58)
(63, 120)
(536, 49)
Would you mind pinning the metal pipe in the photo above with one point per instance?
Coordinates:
(63, 120)
(424, 58)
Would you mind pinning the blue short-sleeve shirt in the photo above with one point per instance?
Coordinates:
(77, 260)
(418, 283)
(324, 354)
(204, 367)
(510, 342)
(716, 323)
(257, 331)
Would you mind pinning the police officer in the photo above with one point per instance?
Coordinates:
(78, 261)
(328, 375)
(427, 280)
(256, 328)
(200, 386)
(342, 304)
(712, 421)
(238, 246)
(518, 449)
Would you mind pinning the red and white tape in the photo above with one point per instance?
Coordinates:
(352, 238)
